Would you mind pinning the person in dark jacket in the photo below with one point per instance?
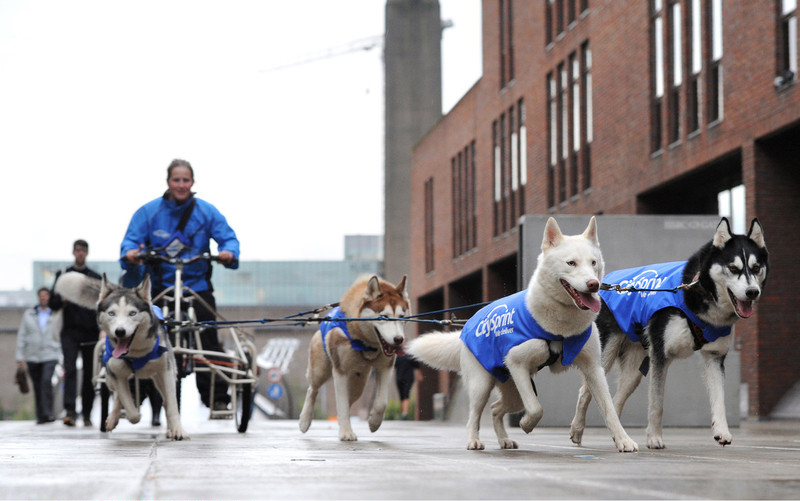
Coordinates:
(156, 225)
(79, 335)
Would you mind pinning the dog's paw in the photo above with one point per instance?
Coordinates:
(347, 436)
(475, 445)
(529, 421)
(626, 444)
(507, 443)
(655, 442)
(375, 421)
(111, 421)
(177, 434)
(576, 435)
(134, 417)
(304, 424)
(723, 438)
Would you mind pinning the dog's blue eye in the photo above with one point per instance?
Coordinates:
(132, 314)
(570, 263)
(112, 314)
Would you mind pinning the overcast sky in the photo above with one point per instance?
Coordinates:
(97, 97)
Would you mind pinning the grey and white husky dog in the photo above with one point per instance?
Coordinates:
(136, 344)
(646, 331)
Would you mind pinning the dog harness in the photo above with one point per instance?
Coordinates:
(138, 363)
(633, 310)
(335, 317)
(507, 323)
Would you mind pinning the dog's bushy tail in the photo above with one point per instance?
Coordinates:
(440, 350)
(79, 289)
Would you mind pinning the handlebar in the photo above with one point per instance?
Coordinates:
(154, 256)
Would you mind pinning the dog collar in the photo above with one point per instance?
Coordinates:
(335, 320)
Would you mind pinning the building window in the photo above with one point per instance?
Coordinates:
(552, 139)
(429, 220)
(714, 97)
(510, 160)
(656, 74)
(787, 43)
(675, 59)
(548, 22)
(588, 126)
(506, 42)
(462, 168)
(563, 119)
(695, 67)
(522, 156)
(569, 127)
(575, 122)
(732, 205)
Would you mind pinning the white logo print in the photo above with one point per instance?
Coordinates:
(647, 279)
(498, 322)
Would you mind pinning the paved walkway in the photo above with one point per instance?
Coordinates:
(403, 460)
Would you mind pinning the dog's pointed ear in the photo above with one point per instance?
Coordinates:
(590, 233)
(373, 290)
(105, 288)
(552, 235)
(143, 289)
(401, 286)
(723, 233)
(756, 233)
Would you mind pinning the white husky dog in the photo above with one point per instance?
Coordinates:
(552, 322)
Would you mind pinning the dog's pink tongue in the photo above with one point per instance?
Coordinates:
(744, 308)
(121, 348)
(590, 301)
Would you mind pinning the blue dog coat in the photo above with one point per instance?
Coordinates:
(326, 326)
(138, 363)
(637, 308)
(507, 323)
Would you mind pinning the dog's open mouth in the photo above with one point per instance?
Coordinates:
(583, 300)
(390, 349)
(123, 345)
(744, 309)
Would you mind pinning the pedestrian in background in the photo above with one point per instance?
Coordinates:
(79, 335)
(38, 352)
(406, 372)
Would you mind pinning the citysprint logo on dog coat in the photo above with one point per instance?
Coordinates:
(499, 321)
(507, 323)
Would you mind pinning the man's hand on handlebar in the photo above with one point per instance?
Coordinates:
(225, 257)
(134, 256)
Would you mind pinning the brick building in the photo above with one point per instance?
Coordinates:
(609, 107)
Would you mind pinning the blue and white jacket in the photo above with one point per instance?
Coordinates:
(632, 308)
(507, 323)
(156, 222)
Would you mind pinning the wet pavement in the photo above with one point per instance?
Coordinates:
(402, 460)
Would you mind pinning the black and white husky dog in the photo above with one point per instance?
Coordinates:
(646, 331)
(136, 344)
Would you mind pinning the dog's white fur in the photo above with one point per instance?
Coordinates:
(122, 313)
(368, 297)
(576, 260)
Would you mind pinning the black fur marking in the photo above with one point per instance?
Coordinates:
(654, 333)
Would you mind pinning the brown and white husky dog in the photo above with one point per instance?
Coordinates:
(348, 350)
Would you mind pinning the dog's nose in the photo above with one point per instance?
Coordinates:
(593, 285)
(120, 332)
(398, 340)
(752, 293)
